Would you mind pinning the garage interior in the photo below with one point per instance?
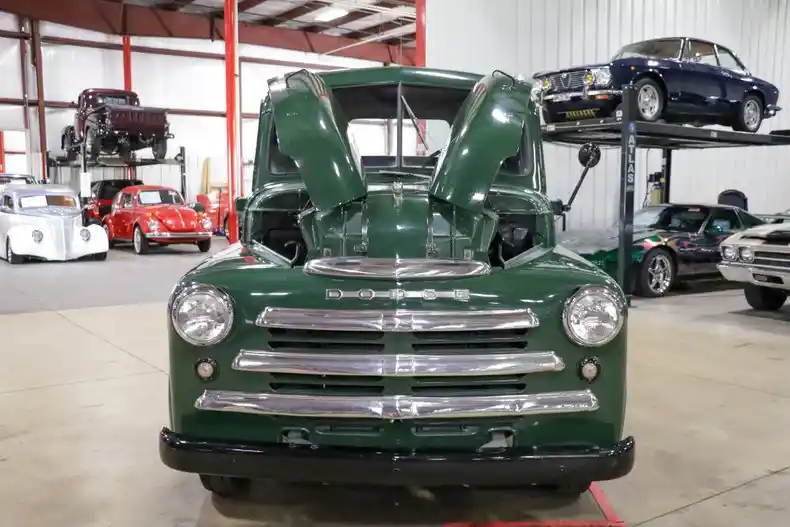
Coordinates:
(86, 390)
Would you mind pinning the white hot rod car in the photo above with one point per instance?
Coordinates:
(45, 222)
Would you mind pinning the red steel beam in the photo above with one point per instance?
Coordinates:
(419, 55)
(119, 19)
(232, 109)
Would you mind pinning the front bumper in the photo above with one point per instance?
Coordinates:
(371, 467)
(178, 235)
(745, 273)
(578, 105)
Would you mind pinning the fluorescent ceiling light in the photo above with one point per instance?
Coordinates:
(329, 14)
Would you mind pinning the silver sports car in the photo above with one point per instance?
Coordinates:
(45, 222)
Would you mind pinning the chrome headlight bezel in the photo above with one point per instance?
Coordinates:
(153, 225)
(37, 235)
(180, 295)
(602, 76)
(205, 222)
(729, 253)
(742, 254)
(601, 291)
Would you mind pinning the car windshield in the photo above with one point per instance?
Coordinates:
(654, 49)
(47, 200)
(159, 197)
(674, 218)
(8, 178)
(113, 99)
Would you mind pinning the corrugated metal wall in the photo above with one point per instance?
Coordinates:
(525, 36)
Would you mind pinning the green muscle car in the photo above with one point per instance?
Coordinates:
(398, 319)
(673, 242)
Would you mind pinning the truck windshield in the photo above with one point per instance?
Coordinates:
(396, 127)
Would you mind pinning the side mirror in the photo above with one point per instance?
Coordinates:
(241, 205)
(589, 155)
(558, 207)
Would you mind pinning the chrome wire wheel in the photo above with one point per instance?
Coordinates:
(138, 241)
(751, 114)
(659, 274)
(649, 102)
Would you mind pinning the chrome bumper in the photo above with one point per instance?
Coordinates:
(583, 94)
(178, 235)
(400, 407)
(738, 272)
(400, 365)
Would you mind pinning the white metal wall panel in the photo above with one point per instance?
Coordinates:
(562, 33)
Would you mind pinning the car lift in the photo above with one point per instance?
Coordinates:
(55, 164)
(629, 134)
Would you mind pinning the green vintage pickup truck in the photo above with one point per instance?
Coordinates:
(396, 319)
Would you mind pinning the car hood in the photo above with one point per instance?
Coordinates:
(174, 217)
(591, 242)
(572, 68)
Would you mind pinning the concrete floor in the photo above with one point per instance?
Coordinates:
(84, 393)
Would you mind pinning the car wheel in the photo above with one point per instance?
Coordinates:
(204, 245)
(649, 99)
(140, 241)
(10, 256)
(92, 144)
(750, 115)
(226, 487)
(100, 257)
(764, 298)
(656, 275)
(110, 241)
(159, 148)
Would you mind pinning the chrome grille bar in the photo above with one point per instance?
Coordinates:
(401, 365)
(400, 407)
(395, 268)
(397, 320)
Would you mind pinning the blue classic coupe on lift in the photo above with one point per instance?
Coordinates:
(678, 80)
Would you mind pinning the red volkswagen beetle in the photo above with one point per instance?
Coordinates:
(151, 214)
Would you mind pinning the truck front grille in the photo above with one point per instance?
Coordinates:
(772, 259)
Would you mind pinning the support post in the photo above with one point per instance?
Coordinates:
(2, 152)
(23, 78)
(232, 116)
(627, 183)
(182, 166)
(419, 56)
(666, 174)
(126, 48)
(399, 129)
(38, 62)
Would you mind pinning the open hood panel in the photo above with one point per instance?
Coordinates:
(487, 130)
(312, 130)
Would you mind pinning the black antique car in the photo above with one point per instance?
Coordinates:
(681, 80)
(672, 243)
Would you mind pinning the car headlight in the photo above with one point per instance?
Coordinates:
(206, 222)
(38, 236)
(589, 78)
(153, 225)
(747, 254)
(201, 315)
(85, 234)
(728, 252)
(546, 83)
(603, 77)
(593, 316)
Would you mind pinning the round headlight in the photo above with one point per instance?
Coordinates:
(206, 222)
(547, 83)
(85, 234)
(153, 225)
(593, 316)
(589, 78)
(38, 236)
(747, 254)
(729, 253)
(603, 77)
(202, 315)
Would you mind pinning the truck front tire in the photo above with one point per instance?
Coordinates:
(764, 298)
